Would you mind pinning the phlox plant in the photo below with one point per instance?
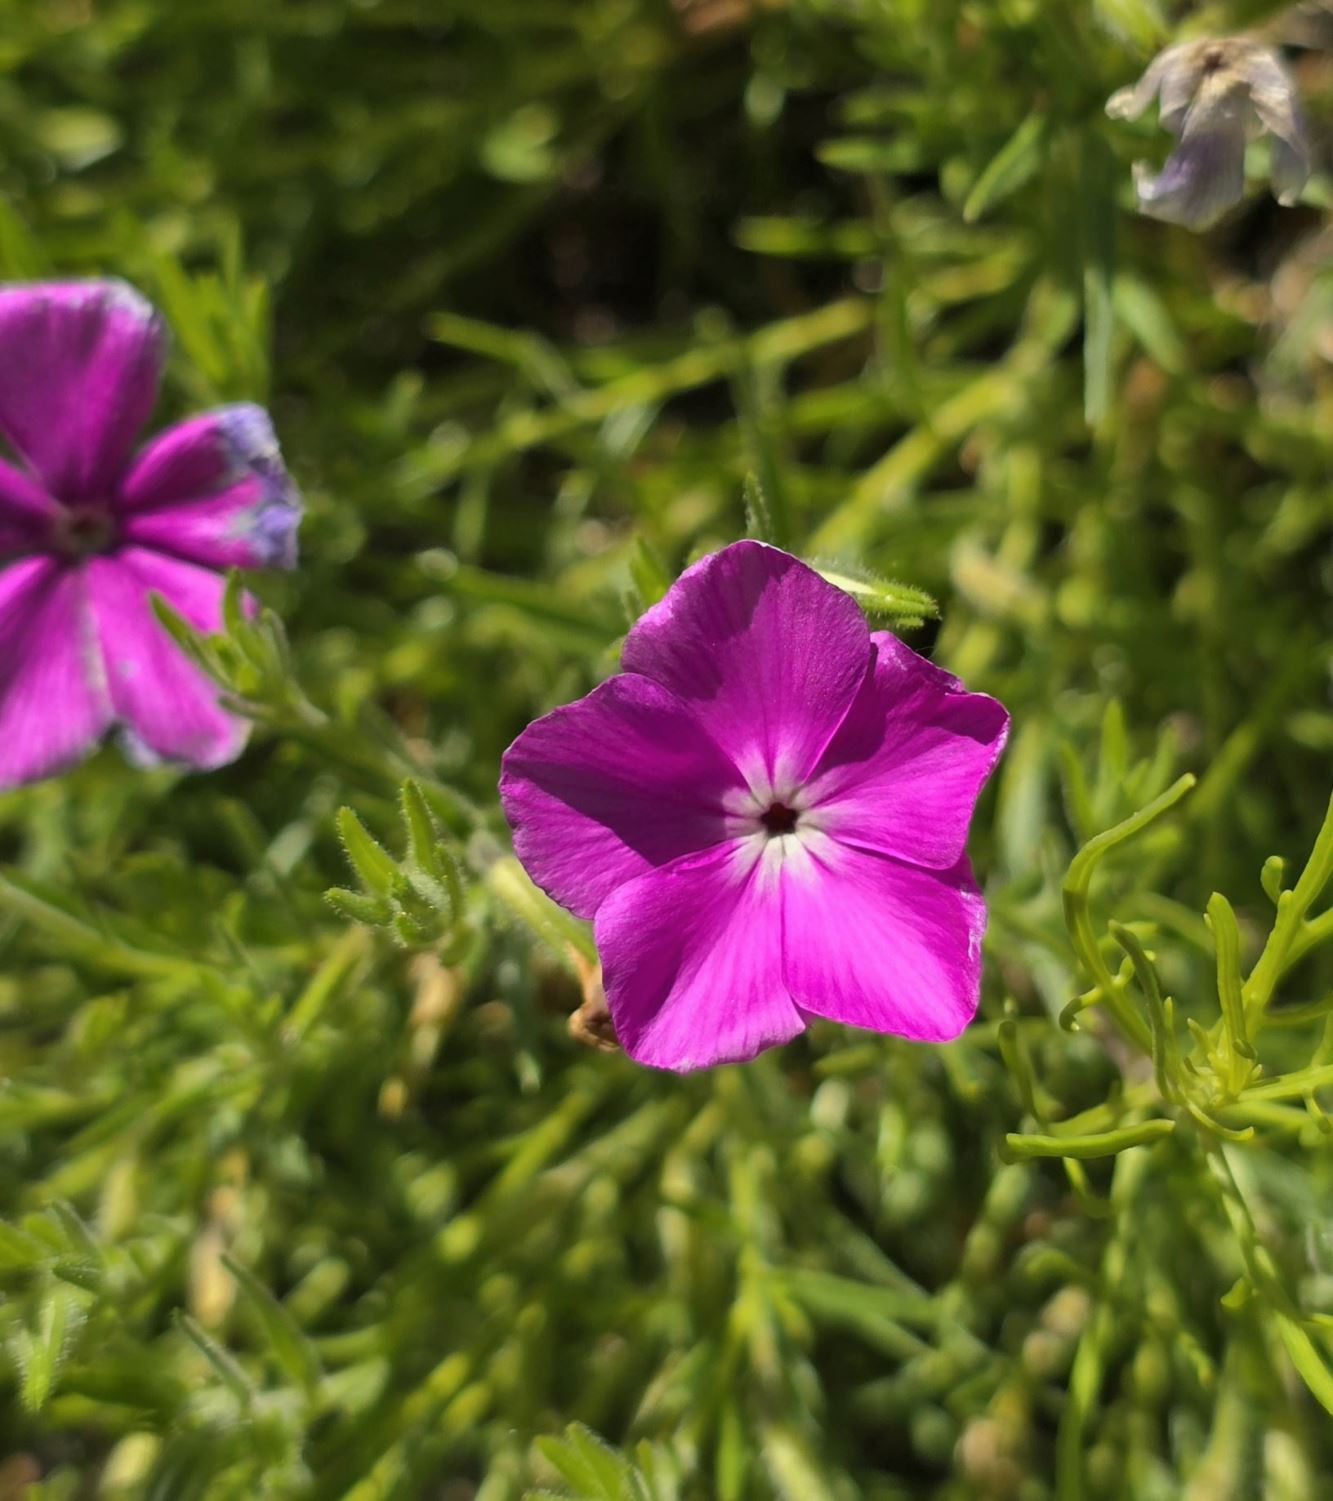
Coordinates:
(752, 922)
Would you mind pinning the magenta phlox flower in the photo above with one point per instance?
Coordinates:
(89, 531)
(765, 817)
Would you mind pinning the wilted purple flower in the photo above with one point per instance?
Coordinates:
(88, 533)
(1216, 94)
(765, 816)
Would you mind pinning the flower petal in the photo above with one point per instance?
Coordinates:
(1277, 104)
(79, 367)
(169, 709)
(53, 701)
(601, 790)
(214, 490)
(692, 963)
(767, 654)
(1290, 169)
(889, 649)
(1203, 177)
(1183, 72)
(873, 943)
(1174, 74)
(902, 774)
(27, 513)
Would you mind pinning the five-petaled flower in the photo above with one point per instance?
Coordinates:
(1216, 94)
(765, 817)
(89, 532)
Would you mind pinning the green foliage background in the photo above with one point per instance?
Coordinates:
(296, 1210)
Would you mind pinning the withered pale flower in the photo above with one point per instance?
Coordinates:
(1216, 94)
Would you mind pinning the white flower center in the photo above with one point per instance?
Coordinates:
(776, 829)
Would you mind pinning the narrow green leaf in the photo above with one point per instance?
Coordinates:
(1099, 229)
(1311, 1365)
(796, 1473)
(1078, 919)
(1165, 1061)
(1226, 936)
(291, 1348)
(758, 518)
(77, 1233)
(1013, 165)
(223, 1362)
(423, 836)
(19, 1251)
(1112, 761)
(87, 1275)
(358, 906)
(377, 869)
(869, 154)
(233, 603)
(898, 604)
(41, 1353)
(22, 257)
(650, 574)
(1081, 868)
(1140, 21)
(1237, 1295)
(535, 600)
(1105, 1144)
(509, 882)
(586, 1462)
(1148, 319)
(178, 628)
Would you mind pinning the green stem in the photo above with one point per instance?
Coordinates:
(777, 344)
(1078, 918)
(82, 938)
(1291, 910)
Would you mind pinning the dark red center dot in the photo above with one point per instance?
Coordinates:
(780, 819)
(83, 530)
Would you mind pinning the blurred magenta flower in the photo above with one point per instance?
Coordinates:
(1216, 94)
(765, 816)
(88, 532)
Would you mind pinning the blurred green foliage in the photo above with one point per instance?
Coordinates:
(316, 1198)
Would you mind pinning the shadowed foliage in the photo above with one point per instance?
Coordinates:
(314, 1196)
